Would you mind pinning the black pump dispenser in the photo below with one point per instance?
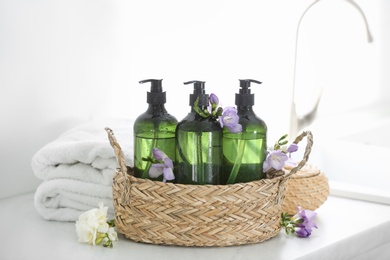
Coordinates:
(156, 96)
(155, 128)
(244, 97)
(199, 92)
(244, 153)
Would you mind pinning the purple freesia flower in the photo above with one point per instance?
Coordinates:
(165, 168)
(301, 224)
(303, 231)
(214, 100)
(229, 119)
(304, 222)
(275, 159)
(290, 162)
(158, 154)
(292, 148)
(306, 216)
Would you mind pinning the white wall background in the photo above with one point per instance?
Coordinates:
(67, 62)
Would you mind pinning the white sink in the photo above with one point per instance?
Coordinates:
(354, 151)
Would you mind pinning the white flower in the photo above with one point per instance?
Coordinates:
(86, 233)
(112, 234)
(103, 228)
(92, 224)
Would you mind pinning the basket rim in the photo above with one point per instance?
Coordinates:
(308, 171)
(273, 176)
(208, 186)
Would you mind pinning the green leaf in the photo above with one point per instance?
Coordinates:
(198, 110)
(111, 223)
(149, 159)
(283, 142)
(282, 138)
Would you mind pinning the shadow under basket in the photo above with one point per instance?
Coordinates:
(198, 215)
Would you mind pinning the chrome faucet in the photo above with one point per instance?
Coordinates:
(297, 123)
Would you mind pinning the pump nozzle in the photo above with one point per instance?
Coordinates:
(156, 84)
(245, 85)
(199, 92)
(244, 97)
(198, 86)
(156, 95)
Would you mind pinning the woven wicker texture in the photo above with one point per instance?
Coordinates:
(190, 215)
(198, 215)
(307, 188)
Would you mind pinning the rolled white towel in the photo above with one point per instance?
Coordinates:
(77, 169)
(84, 153)
(67, 199)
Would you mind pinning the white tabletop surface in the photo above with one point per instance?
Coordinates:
(348, 229)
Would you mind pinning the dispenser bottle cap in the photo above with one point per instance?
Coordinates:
(156, 95)
(244, 97)
(199, 92)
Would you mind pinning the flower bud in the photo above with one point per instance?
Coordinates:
(214, 100)
(292, 148)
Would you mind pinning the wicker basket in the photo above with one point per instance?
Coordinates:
(198, 215)
(307, 188)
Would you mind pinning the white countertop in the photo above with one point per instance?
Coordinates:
(348, 229)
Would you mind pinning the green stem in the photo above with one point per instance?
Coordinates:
(199, 160)
(181, 154)
(237, 163)
(145, 174)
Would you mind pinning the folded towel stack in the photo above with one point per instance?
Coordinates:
(77, 169)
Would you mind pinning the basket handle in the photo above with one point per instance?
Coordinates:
(276, 173)
(309, 137)
(302, 163)
(117, 149)
(122, 164)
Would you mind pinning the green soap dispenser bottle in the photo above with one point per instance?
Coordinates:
(154, 128)
(245, 152)
(198, 143)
